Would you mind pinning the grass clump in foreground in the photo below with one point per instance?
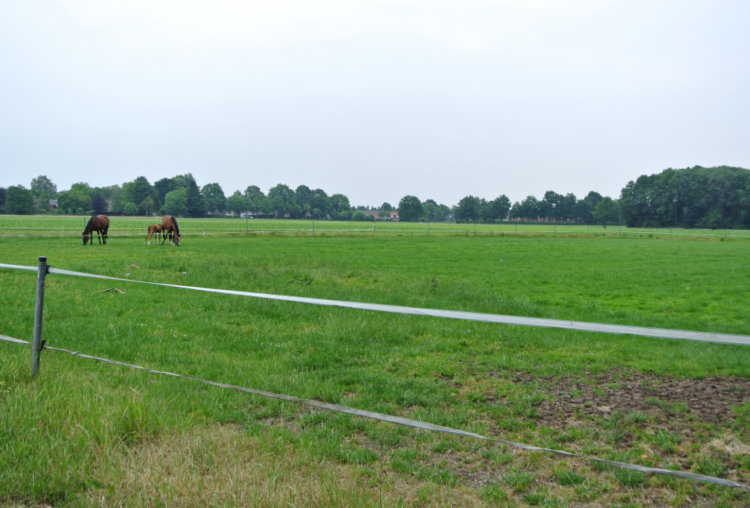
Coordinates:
(85, 431)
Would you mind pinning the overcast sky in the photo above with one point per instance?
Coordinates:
(373, 99)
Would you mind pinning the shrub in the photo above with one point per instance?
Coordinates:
(130, 209)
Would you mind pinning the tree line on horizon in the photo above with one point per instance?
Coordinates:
(697, 197)
(691, 197)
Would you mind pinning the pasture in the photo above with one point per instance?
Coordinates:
(86, 433)
(66, 225)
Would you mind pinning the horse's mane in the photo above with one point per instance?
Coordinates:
(176, 227)
(89, 226)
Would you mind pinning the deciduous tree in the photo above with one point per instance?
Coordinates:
(176, 203)
(42, 184)
(72, 200)
(237, 203)
(410, 209)
(604, 211)
(468, 208)
(283, 199)
(213, 197)
(19, 200)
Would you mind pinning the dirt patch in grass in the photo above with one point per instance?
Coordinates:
(707, 400)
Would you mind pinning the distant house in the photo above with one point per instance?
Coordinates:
(394, 216)
(50, 205)
(254, 215)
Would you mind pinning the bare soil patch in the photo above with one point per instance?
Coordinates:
(707, 400)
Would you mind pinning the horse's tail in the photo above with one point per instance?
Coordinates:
(176, 227)
(89, 226)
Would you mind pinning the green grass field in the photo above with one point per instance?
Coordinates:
(65, 225)
(86, 433)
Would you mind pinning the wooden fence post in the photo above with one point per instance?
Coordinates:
(36, 346)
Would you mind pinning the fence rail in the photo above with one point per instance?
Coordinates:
(660, 333)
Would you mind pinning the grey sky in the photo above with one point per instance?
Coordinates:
(374, 99)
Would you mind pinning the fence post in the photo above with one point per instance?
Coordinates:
(246, 228)
(516, 229)
(313, 227)
(428, 228)
(475, 229)
(36, 347)
(555, 229)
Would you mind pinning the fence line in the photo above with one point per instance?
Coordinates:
(408, 422)
(390, 228)
(392, 232)
(660, 333)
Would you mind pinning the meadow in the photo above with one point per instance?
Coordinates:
(67, 225)
(85, 433)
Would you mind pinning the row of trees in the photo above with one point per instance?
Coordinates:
(138, 197)
(552, 207)
(181, 196)
(694, 197)
(566, 208)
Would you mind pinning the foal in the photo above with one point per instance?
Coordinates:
(153, 229)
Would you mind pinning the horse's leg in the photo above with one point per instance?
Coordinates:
(165, 238)
(106, 234)
(99, 236)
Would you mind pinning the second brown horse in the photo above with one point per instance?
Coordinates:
(170, 229)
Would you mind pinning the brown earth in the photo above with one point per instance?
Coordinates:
(707, 400)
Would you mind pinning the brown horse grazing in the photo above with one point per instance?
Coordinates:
(170, 229)
(98, 223)
(154, 229)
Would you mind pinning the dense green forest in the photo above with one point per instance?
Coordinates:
(694, 197)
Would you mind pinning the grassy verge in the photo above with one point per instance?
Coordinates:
(84, 431)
